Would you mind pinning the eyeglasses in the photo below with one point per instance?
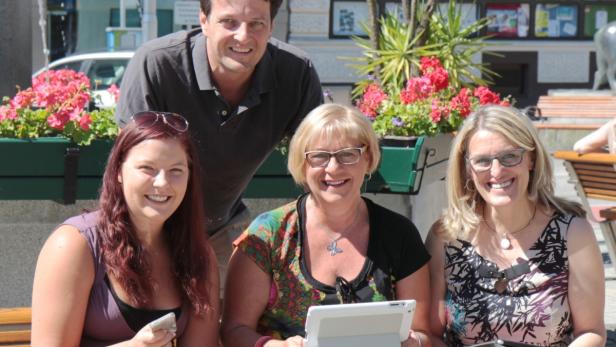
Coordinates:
(146, 119)
(345, 156)
(507, 159)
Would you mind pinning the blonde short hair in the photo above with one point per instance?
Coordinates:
(331, 121)
(461, 217)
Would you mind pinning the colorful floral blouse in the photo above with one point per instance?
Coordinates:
(274, 242)
(484, 303)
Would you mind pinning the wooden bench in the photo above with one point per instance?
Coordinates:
(565, 111)
(594, 177)
(15, 326)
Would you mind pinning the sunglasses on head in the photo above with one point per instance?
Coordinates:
(146, 119)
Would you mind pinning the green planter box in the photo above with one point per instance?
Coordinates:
(399, 172)
(35, 169)
(38, 169)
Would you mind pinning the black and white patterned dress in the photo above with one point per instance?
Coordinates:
(533, 308)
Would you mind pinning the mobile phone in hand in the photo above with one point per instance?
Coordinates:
(166, 322)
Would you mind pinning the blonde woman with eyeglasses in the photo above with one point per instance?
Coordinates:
(331, 246)
(510, 260)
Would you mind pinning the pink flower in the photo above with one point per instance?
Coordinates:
(462, 103)
(22, 99)
(7, 112)
(371, 100)
(115, 92)
(486, 96)
(85, 121)
(438, 111)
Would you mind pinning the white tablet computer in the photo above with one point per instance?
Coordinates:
(383, 324)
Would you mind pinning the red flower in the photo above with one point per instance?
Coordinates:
(416, 88)
(58, 120)
(371, 100)
(429, 64)
(462, 103)
(486, 96)
(85, 121)
(439, 78)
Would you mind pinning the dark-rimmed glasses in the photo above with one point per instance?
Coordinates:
(508, 158)
(146, 119)
(345, 156)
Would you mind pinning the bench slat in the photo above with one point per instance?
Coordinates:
(16, 315)
(596, 179)
(600, 196)
(608, 213)
(598, 158)
(595, 173)
(599, 185)
(598, 168)
(18, 336)
(601, 192)
(544, 125)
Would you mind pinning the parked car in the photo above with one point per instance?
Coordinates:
(102, 68)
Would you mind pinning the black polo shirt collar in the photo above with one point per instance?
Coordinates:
(263, 79)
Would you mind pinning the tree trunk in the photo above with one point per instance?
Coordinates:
(375, 30)
(425, 22)
(406, 10)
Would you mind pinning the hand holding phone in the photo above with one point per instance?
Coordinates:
(166, 322)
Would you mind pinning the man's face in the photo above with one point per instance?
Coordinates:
(237, 32)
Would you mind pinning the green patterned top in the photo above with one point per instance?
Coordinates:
(274, 241)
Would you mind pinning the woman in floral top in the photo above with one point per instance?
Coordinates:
(510, 260)
(330, 246)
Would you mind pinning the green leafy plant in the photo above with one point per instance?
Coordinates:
(422, 81)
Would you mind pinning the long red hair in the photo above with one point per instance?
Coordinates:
(184, 231)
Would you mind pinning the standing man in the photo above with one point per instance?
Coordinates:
(241, 91)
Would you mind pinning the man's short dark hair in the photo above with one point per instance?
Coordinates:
(206, 7)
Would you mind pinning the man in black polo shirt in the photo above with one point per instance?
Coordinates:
(240, 90)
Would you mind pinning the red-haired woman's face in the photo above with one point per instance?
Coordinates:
(154, 179)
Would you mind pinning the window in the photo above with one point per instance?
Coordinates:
(104, 73)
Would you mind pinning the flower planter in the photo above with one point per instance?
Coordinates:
(54, 169)
(406, 164)
(51, 169)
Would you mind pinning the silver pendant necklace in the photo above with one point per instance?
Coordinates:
(332, 246)
(505, 242)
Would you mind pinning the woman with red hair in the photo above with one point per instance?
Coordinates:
(101, 277)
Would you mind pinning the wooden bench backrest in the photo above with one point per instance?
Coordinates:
(595, 173)
(577, 106)
(15, 326)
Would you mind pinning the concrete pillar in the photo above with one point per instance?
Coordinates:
(149, 22)
(16, 52)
